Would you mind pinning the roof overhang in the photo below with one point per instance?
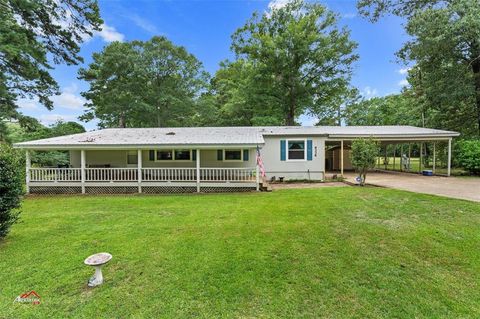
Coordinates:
(53, 147)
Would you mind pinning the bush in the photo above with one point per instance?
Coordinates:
(364, 154)
(469, 155)
(11, 187)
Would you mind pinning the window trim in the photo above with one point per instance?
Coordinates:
(304, 150)
(126, 158)
(232, 149)
(173, 155)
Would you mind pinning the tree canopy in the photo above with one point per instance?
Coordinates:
(444, 53)
(297, 60)
(151, 83)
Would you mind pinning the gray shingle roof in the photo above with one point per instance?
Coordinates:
(205, 136)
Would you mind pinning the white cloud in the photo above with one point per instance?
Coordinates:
(143, 24)
(277, 4)
(349, 15)
(369, 92)
(68, 99)
(403, 82)
(48, 119)
(27, 104)
(404, 71)
(110, 34)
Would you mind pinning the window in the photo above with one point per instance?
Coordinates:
(233, 155)
(132, 157)
(296, 150)
(182, 155)
(165, 155)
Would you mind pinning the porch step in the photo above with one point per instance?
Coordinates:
(265, 186)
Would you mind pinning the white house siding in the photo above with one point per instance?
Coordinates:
(274, 166)
(118, 158)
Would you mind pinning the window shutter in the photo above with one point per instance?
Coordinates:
(309, 150)
(151, 155)
(194, 155)
(245, 155)
(283, 150)
(219, 155)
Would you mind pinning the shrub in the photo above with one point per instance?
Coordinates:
(469, 155)
(11, 187)
(364, 154)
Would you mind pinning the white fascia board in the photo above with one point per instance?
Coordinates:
(132, 147)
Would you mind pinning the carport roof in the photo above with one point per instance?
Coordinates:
(222, 136)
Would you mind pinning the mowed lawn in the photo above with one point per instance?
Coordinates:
(337, 252)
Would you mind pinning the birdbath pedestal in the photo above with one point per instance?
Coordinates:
(97, 261)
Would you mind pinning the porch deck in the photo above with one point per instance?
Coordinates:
(189, 179)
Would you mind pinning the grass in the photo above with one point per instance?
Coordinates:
(336, 252)
(415, 166)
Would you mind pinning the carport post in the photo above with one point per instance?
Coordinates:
(409, 155)
(394, 154)
(82, 169)
(341, 158)
(198, 170)
(434, 158)
(421, 158)
(449, 156)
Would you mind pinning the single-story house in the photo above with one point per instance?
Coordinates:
(182, 159)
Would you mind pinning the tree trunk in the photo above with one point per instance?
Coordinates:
(476, 77)
(121, 121)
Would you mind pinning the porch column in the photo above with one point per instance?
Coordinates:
(449, 162)
(257, 176)
(341, 158)
(82, 168)
(139, 170)
(198, 171)
(28, 164)
(434, 158)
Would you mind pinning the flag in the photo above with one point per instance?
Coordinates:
(260, 163)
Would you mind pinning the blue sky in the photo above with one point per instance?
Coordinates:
(204, 27)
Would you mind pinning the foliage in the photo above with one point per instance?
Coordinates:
(235, 255)
(30, 129)
(295, 59)
(11, 188)
(143, 84)
(31, 33)
(444, 48)
(364, 155)
(469, 155)
(395, 109)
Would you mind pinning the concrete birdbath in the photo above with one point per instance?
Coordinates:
(97, 261)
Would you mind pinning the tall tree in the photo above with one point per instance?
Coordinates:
(301, 58)
(33, 34)
(133, 84)
(445, 51)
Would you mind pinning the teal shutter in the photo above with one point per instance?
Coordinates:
(194, 155)
(219, 155)
(245, 155)
(151, 155)
(283, 150)
(309, 150)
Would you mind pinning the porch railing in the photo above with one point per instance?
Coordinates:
(148, 174)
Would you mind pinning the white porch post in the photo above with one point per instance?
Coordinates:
(421, 158)
(82, 167)
(449, 163)
(434, 158)
(139, 170)
(28, 164)
(257, 177)
(198, 171)
(341, 158)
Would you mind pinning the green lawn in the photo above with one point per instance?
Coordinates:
(339, 252)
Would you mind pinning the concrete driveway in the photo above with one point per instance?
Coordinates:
(456, 187)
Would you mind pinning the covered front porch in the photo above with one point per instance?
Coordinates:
(162, 170)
